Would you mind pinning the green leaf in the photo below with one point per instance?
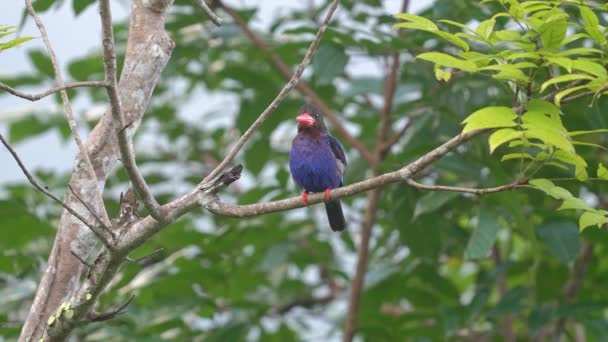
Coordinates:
(19, 226)
(574, 203)
(453, 23)
(559, 96)
(553, 33)
(590, 67)
(507, 35)
(453, 39)
(563, 62)
(577, 133)
(516, 156)
(484, 236)
(42, 62)
(14, 42)
(43, 5)
(574, 159)
(80, 5)
(602, 172)
(588, 16)
(551, 189)
(562, 239)
(485, 28)
(424, 22)
(547, 129)
(490, 117)
(544, 107)
(432, 201)
(502, 136)
(511, 75)
(446, 60)
(442, 75)
(564, 78)
(590, 218)
(329, 63)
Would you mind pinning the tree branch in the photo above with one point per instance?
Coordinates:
(501, 282)
(104, 316)
(148, 50)
(212, 16)
(482, 191)
(302, 87)
(211, 201)
(125, 144)
(369, 219)
(282, 94)
(51, 91)
(68, 109)
(373, 197)
(105, 236)
(571, 287)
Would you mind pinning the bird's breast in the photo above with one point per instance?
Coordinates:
(312, 164)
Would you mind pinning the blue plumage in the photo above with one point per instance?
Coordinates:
(317, 162)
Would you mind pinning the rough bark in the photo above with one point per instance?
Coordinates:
(148, 51)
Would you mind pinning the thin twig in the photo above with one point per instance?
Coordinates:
(302, 87)
(100, 317)
(390, 86)
(36, 97)
(96, 230)
(212, 16)
(474, 191)
(90, 210)
(282, 94)
(124, 143)
(68, 109)
(139, 261)
(80, 259)
(397, 136)
(302, 302)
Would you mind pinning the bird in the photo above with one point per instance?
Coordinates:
(317, 162)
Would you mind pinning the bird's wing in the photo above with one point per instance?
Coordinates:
(338, 150)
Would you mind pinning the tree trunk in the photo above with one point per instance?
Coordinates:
(148, 51)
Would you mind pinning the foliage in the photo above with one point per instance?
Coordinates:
(443, 266)
(534, 49)
(6, 31)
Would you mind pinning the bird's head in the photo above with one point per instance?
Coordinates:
(310, 118)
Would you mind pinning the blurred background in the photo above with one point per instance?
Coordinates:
(286, 276)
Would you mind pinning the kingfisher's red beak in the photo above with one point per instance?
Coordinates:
(305, 119)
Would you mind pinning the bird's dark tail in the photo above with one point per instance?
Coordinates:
(335, 216)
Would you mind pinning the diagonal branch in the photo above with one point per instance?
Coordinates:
(212, 16)
(89, 209)
(301, 86)
(125, 144)
(68, 109)
(282, 94)
(36, 97)
(104, 236)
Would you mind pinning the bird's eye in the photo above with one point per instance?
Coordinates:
(316, 116)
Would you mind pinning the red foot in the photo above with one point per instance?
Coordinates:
(327, 194)
(305, 197)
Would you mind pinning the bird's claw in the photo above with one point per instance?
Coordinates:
(327, 194)
(305, 198)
